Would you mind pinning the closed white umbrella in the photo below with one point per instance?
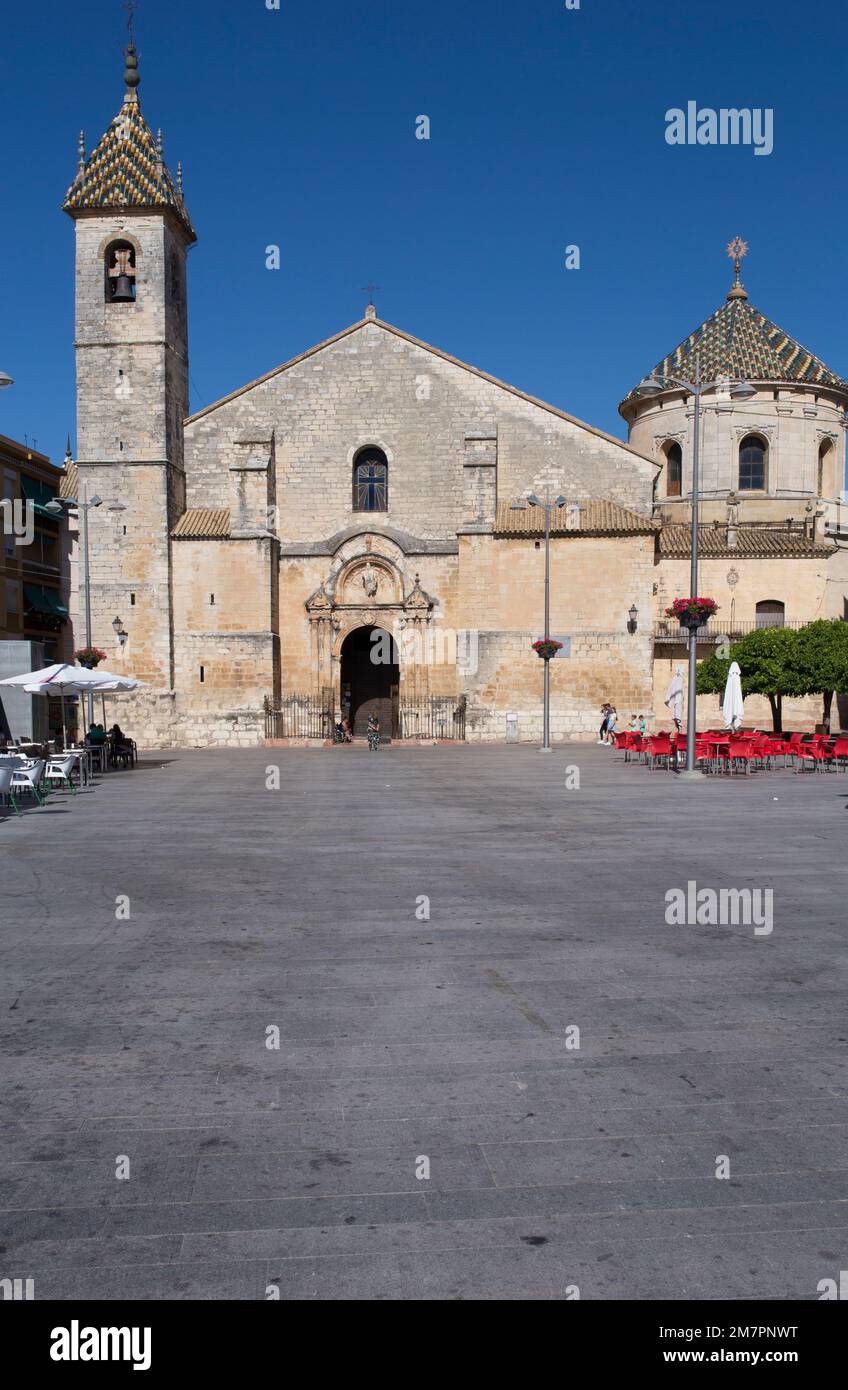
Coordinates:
(732, 705)
(674, 697)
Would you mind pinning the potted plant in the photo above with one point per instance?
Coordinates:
(90, 657)
(547, 648)
(692, 612)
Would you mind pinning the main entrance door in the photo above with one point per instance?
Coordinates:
(370, 678)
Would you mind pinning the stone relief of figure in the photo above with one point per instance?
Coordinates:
(370, 580)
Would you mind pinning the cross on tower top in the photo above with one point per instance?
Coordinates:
(370, 311)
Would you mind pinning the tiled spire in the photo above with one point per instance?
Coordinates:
(126, 169)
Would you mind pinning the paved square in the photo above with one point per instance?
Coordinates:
(404, 1039)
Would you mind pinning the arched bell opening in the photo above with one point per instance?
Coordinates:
(119, 266)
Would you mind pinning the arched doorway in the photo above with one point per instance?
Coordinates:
(370, 678)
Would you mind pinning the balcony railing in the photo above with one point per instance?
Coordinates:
(669, 630)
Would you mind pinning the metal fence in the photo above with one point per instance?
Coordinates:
(671, 631)
(300, 716)
(311, 716)
(435, 716)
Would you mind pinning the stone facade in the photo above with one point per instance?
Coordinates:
(233, 547)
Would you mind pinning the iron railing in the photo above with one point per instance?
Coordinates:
(433, 716)
(671, 631)
(313, 717)
(300, 716)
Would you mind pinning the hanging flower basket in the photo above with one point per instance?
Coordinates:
(547, 648)
(692, 612)
(89, 657)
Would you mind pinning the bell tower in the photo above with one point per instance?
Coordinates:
(133, 233)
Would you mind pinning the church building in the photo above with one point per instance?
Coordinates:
(362, 529)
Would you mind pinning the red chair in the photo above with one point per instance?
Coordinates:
(706, 751)
(840, 751)
(659, 748)
(741, 750)
(779, 748)
(819, 754)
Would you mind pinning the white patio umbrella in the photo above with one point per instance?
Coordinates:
(62, 680)
(732, 705)
(674, 697)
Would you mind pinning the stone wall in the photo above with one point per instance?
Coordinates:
(594, 581)
(373, 386)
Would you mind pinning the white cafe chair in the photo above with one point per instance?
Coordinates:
(29, 779)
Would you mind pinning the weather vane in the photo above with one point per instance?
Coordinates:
(369, 290)
(130, 9)
(737, 250)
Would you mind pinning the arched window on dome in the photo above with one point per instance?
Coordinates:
(752, 464)
(119, 267)
(370, 481)
(826, 480)
(673, 470)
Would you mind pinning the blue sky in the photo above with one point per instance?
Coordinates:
(297, 127)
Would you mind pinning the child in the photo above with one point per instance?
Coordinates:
(634, 724)
(643, 728)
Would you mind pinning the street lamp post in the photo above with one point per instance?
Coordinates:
(547, 507)
(82, 506)
(739, 391)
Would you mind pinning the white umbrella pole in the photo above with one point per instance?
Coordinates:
(64, 726)
(103, 704)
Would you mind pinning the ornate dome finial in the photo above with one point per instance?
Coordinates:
(81, 153)
(737, 249)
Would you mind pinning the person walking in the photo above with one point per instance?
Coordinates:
(605, 710)
(373, 733)
(612, 722)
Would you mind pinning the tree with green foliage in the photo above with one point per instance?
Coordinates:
(823, 660)
(770, 664)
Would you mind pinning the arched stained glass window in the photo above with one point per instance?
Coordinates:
(370, 481)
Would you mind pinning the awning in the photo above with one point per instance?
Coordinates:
(47, 601)
(39, 494)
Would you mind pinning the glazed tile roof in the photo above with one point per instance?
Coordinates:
(739, 342)
(126, 170)
(752, 542)
(203, 523)
(69, 485)
(597, 517)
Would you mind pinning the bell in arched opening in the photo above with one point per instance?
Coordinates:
(120, 273)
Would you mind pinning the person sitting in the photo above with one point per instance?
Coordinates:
(96, 734)
(121, 749)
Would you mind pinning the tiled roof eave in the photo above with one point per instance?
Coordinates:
(203, 524)
(176, 216)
